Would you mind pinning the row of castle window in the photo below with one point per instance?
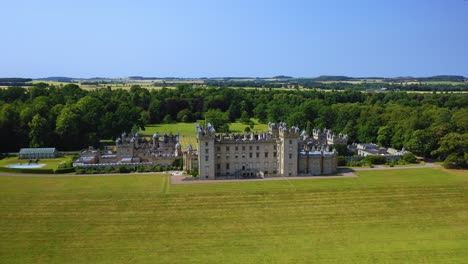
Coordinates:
(236, 148)
(236, 155)
(247, 166)
(228, 174)
(243, 155)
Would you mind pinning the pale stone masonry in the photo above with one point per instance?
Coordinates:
(134, 150)
(281, 151)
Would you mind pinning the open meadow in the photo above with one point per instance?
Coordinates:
(394, 216)
(187, 130)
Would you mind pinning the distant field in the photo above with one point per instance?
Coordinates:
(187, 130)
(395, 216)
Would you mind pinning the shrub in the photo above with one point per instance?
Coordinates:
(454, 161)
(374, 159)
(409, 157)
(64, 170)
(123, 169)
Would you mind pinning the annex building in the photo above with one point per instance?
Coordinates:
(282, 151)
(134, 150)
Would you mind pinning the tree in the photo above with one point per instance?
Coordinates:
(167, 119)
(384, 136)
(68, 128)
(421, 142)
(244, 117)
(297, 118)
(454, 150)
(260, 112)
(409, 157)
(309, 128)
(38, 132)
(218, 119)
(184, 115)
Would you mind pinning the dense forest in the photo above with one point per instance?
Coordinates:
(69, 118)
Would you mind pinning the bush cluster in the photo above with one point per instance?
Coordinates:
(124, 169)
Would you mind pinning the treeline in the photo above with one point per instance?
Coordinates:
(309, 83)
(245, 83)
(430, 125)
(15, 82)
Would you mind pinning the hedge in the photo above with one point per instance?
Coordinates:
(64, 170)
(32, 171)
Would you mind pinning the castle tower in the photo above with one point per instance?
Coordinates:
(288, 150)
(206, 151)
(156, 140)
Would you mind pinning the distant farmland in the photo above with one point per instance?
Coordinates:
(395, 216)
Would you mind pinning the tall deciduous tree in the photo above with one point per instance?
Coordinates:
(39, 132)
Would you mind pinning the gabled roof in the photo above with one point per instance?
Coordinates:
(37, 150)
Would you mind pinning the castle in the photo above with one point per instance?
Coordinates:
(132, 150)
(281, 151)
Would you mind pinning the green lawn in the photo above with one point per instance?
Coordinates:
(394, 216)
(49, 163)
(187, 130)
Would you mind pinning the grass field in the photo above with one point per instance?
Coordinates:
(187, 130)
(49, 163)
(394, 216)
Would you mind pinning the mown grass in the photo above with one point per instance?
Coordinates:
(187, 130)
(49, 163)
(395, 216)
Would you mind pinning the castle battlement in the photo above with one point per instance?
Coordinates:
(277, 152)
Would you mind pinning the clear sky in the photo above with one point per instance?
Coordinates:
(262, 38)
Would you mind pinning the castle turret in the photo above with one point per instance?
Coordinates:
(206, 151)
(288, 150)
(156, 140)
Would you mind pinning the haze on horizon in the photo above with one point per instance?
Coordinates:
(215, 38)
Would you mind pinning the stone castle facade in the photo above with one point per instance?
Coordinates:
(132, 150)
(281, 151)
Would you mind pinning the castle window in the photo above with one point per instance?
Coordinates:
(206, 144)
(250, 155)
(218, 149)
(206, 158)
(243, 147)
(250, 147)
(227, 148)
(243, 155)
(218, 156)
(237, 148)
(257, 165)
(266, 154)
(265, 165)
(290, 155)
(257, 147)
(274, 154)
(290, 141)
(274, 147)
(206, 151)
(236, 155)
(227, 155)
(266, 147)
(227, 166)
(218, 166)
(258, 154)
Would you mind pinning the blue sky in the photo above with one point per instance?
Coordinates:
(233, 38)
